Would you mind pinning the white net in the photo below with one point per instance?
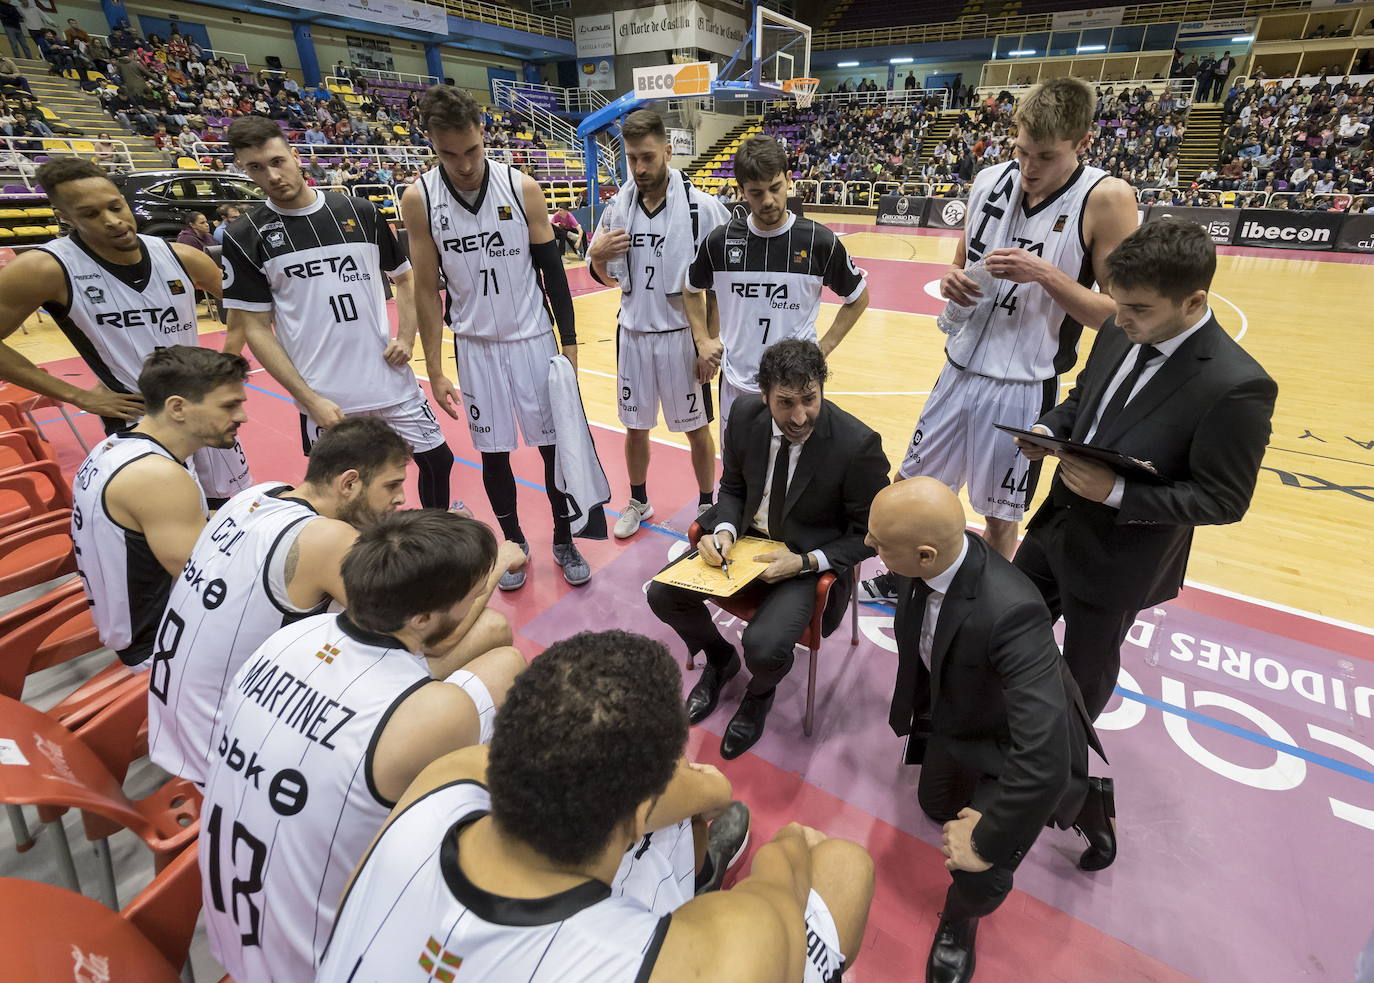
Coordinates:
(802, 90)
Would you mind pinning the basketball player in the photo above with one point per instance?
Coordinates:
(136, 509)
(1043, 223)
(511, 866)
(663, 220)
(767, 271)
(116, 295)
(270, 557)
(325, 726)
(485, 227)
(312, 261)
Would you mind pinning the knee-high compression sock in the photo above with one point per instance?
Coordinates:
(562, 528)
(435, 467)
(499, 481)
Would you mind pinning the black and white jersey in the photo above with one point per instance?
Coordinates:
(411, 901)
(1028, 336)
(116, 315)
(228, 601)
(319, 270)
(653, 304)
(494, 293)
(290, 801)
(768, 286)
(127, 585)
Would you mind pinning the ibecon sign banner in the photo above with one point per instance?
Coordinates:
(1287, 230)
(675, 81)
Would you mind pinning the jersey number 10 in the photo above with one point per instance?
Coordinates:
(345, 308)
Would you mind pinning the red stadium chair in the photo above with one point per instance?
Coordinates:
(54, 490)
(49, 933)
(59, 769)
(22, 445)
(744, 610)
(25, 401)
(21, 498)
(35, 551)
(165, 911)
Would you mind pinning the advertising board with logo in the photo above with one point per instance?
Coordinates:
(1287, 230)
(596, 73)
(904, 210)
(684, 142)
(1357, 234)
(946, 213)
(1220, 223)
(595, 36)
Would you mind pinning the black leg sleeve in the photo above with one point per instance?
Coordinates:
(436, 465)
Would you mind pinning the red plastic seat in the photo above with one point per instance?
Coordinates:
(53, 490)
(64, 771)
(165, 911)
(36, 551)
(50, 933)
(25, 401)
(22, 445)
(744, 609)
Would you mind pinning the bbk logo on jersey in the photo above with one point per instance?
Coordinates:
(489, 242)
(346, 267)
(776, 294)
(165, 320)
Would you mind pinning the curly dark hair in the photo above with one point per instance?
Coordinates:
(792, 362)
(593, 728)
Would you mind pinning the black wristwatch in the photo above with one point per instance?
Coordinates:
(809, 564)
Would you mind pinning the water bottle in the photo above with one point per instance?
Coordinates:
(619, 266)
(954, 316)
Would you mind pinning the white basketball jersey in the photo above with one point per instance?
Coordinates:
(1028, 336)
(229, 600)
(484, 251)
(652, 304)
(412, 902)
(290, 803)
(127, 585)
(319, 269)
(116, 315)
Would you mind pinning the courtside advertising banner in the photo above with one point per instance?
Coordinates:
(946, 213)
(1357, 234)
(1281, 229)
(903, 210)
(1220, 223)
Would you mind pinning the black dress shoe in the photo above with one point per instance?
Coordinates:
(1095, 823)
(951, 955)
(746, 726)
(701, 701)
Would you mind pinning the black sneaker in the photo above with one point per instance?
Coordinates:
(881, 589)
(726, 842)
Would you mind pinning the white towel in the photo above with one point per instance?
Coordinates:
(678, 251)
(577, 469)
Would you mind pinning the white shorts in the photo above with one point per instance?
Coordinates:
(824, 960)
(660, 367)
(659, 871)
(486, 707)
(414, 420)
(222, 473)
(729, 392)
(506, 383)
(955, 441)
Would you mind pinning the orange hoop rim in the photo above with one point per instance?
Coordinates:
(802, 89)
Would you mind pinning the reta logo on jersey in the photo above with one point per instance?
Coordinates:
(488, 241)
(345, 266)
(775, 293)
(165, 320)
(652, 240)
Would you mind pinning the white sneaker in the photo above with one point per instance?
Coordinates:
(630, 518)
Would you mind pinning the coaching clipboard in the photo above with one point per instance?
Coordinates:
(1127, 467)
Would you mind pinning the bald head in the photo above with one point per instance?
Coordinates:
(917, 527)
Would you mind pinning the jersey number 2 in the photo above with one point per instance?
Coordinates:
(244, 887)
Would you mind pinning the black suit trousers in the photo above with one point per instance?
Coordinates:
(945, 787)
(1092, 635)
(784, 611)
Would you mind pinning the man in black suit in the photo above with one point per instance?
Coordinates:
(1164, 384)
(985, 700)
(798, 469)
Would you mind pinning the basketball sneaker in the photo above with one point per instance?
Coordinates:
(630, 518)
(881, 589)
(726, 842)
(515, 579)
(576, 570)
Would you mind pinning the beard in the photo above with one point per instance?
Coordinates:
(358, 513)
(442, 629)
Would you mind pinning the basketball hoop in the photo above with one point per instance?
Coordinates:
(803, 90)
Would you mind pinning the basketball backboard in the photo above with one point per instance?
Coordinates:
(776, 49)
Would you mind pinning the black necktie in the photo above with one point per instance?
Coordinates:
(777, 492)
(904, 695)
(1123, 391)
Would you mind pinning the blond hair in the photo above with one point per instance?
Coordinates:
(1060, 109)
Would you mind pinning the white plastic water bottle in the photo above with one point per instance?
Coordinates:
(954, 316)
(617, 267)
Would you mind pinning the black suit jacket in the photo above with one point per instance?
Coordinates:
(998, 697)
(840, 468)
(1203, 420)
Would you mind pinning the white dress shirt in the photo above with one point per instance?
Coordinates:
(939, 586)
(1165, 349)
(760, 520)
